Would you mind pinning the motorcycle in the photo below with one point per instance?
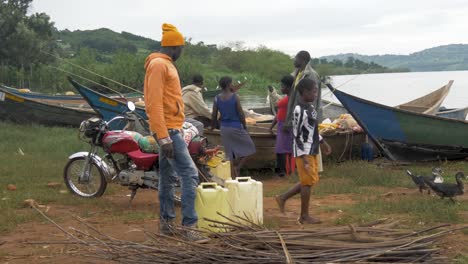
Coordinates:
(86, 174)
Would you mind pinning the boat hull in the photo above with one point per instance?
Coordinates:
(407, 136)
(330, 110)
(22, 110)
(105, 106)
(459, 113)
(346, 146)
(264, 157)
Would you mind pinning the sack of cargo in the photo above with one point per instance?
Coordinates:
(189, 132)
(148, 144)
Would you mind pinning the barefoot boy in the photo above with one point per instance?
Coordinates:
(305, 147)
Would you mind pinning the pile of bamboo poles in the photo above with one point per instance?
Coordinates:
(377, 242)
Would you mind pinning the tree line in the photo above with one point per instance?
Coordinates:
(28, 41)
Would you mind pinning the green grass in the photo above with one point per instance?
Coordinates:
(416, 209)
(360, 177)
(462, 259)
(46, 152)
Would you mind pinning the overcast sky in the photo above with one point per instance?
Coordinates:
(323, 27)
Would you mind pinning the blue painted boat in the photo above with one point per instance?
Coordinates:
(23, 110)
(61, 100)
(106, 107)
(408, 136)
(64, 100)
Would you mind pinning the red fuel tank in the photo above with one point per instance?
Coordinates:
(120, 141)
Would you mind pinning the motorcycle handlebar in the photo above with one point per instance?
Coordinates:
(115, 118)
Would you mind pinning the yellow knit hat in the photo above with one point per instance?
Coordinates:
(171, 36)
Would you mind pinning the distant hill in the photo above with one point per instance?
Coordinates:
(107, 41)
(442, 58)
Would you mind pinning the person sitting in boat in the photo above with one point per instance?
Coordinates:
(237, 143)
(284, 139)
(195, 106)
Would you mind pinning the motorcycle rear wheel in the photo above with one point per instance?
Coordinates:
(96, 184)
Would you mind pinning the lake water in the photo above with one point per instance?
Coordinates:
(391, 88)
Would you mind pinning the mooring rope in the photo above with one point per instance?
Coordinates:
(89, 80)
(89, 71)
(341, 84)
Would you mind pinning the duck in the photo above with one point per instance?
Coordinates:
(449, 190)
(419, 180)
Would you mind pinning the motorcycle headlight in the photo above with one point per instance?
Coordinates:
(91, 127)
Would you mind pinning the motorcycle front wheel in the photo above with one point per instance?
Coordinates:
(94, 186)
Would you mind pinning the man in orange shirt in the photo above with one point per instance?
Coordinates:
(165, 110)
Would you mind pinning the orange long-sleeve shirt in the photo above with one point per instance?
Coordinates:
(163, 95)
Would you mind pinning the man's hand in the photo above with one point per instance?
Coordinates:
(327, 150)
(168, 150)
(286, 129)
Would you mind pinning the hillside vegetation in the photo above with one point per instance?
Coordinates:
(34, 52)
(443, 58)
(121, 56)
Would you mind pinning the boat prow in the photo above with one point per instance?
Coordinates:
(429, 103)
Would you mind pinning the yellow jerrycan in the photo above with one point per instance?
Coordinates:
(220, 168)
(211, 199)
(245, 198)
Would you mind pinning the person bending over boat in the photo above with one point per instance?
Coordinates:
(237, 143)
(165, 110)
(307, 141)
(195, 106)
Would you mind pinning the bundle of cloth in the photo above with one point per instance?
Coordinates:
(344, 123)
(252, 118)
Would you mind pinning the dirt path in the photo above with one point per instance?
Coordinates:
(20, 246)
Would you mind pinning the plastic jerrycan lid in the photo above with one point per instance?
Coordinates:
(243, 179)
(209, 185)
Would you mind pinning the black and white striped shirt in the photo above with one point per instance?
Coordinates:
(305, 130)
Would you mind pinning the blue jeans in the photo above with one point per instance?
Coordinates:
(181, 165)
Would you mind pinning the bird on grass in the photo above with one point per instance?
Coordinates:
(449, 190)
(419, 180)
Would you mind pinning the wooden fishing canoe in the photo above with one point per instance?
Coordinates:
(105, 106)
(330, 109)
(264, 141)
(430, 103)
(23, 110)
(427, 104)
(345, 146)
(455, 113)
(68, 100)
(64, 100)
(408, 136)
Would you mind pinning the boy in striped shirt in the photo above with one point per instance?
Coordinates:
(305, 147)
